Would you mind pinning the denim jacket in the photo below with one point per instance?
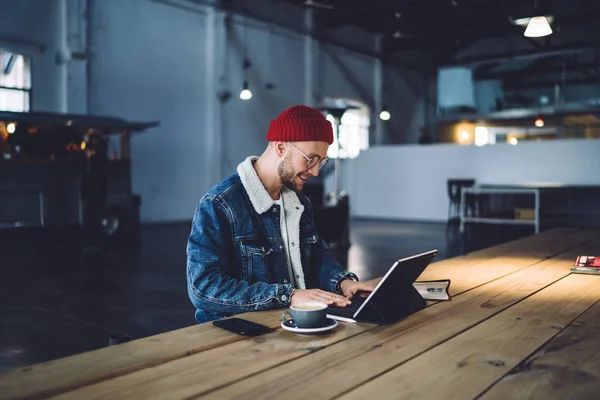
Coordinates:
(236, 261)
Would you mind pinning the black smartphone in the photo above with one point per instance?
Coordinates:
(242, 326)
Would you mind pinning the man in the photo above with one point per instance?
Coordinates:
(253, 243)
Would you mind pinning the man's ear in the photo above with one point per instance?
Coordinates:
(279, 148)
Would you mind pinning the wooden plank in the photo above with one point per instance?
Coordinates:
(162, 377)
(345, 365)
(84, 369)
(202, 372)
(468, 277)
(512, 246)
(517, 244)
(466, 365)
(72, 372)
(467, 272)
(566, 368)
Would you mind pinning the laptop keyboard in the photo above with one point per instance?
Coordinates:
(348, 311)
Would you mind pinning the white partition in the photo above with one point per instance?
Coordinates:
(409, 182)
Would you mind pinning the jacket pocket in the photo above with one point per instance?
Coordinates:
(306, 247)
(257, 262)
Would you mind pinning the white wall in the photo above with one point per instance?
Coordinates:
(30, 27)
(409, 182)
(154, 70)
(406, 95)
(277, 58)
(166, 60)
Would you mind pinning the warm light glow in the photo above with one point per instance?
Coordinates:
(246, 94)
(539, 122)
(481, 136)
(10, 128)
(385, 115)
(463, 132)
(83, 145)
(538, 27)
(513, 141)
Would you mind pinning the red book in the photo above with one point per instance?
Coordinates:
(587, 261)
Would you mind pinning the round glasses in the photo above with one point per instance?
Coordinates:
(312, 161)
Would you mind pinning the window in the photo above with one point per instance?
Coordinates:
(15, 82)
(354, 133)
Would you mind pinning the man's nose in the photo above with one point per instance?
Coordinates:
(314, 171)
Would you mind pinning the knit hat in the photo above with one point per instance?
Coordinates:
(301, 124)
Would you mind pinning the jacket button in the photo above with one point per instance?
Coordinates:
(285, 281)
(293, 244)
(297, 208)
(284, 297)
(274, 210)
(280, 247)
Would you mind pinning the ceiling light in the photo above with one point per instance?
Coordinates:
(525, 21)
(539, 122)
(11, 127)
(538, 27)
(385, 115)
(245, 94)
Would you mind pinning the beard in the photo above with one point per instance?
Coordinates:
(287, 174)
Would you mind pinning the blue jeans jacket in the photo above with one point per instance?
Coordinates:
(235, 258)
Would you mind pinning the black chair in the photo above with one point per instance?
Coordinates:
(333, 224)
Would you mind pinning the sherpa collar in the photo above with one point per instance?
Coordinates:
(259, 197)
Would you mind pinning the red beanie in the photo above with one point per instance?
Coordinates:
(301, 124)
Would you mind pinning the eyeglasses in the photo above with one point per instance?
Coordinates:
(312, 161)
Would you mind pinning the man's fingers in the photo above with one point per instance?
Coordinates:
(328, 298)
(334, 298)
(322, 297)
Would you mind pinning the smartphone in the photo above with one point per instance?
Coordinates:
(242, 326)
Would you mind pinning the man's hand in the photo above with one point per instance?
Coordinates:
(309, 295)
(350, 287)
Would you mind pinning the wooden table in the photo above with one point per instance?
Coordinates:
(519, 326)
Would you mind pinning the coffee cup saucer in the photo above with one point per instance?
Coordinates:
(290, 326)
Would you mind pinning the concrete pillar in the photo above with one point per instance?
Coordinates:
(378, 93)
(63, 54)
(309, 51)
(215, 44)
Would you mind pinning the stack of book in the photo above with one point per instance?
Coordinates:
(433, 290)
(586, 265)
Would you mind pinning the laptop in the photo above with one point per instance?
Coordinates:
(394, 297)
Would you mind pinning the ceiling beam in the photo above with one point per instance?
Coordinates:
(540, 67)
(482, 71)
(522, 85)
(568, 48)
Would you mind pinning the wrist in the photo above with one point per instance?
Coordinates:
(344, 282)
(349, 277)
(284, 294)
